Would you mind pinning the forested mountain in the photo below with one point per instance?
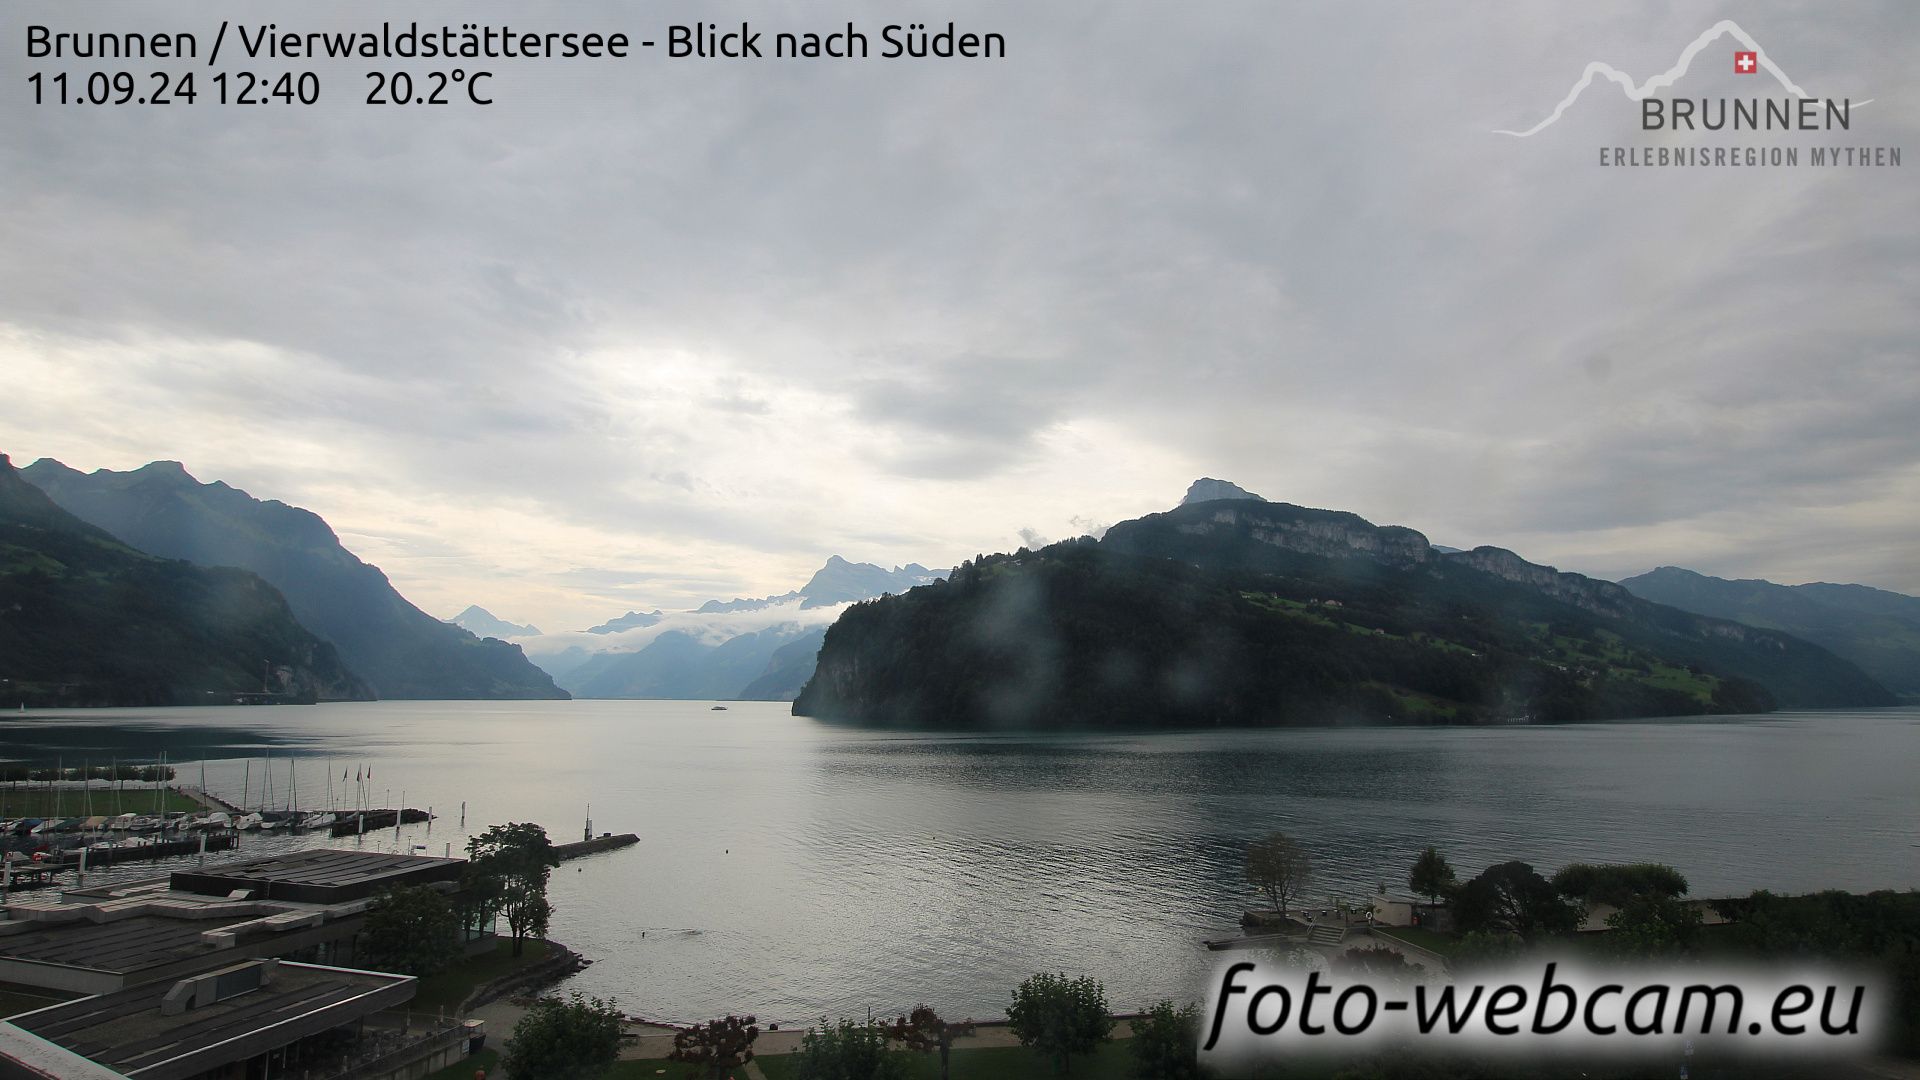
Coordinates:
(1874, 628)
(1244, 612)
(400, 650)
(87, 620)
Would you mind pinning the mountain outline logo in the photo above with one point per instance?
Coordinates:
(1749, 60)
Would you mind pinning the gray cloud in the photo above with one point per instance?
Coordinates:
(710, 322)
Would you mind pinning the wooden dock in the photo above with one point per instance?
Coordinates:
(221, 840)
(209, 800)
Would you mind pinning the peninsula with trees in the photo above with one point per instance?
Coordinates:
(1237, 612)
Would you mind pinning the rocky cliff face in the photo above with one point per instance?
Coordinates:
(1207, 489)
(1332, 537)
(841, 582)
(1588, 594)
(1328, 534)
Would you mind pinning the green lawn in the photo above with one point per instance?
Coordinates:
(449, 988)
(655, 1068)
(24, 801)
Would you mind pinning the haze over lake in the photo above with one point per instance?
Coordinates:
(796, 869)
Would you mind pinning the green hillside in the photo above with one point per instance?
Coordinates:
(1874, 628)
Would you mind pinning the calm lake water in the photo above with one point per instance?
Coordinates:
(797, 869)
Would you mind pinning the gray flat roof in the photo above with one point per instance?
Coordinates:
(120, 946)
(319, 875)
(127, 1032)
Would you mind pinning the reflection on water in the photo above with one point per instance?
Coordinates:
(796, 869)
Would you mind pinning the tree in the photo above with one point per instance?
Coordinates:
(1377, 963)
(1280, 868)
(848, 1051)
(924, 1032)
(1165, 1043)
(1652, 926)
(506, 874)
(576, 1039)
(1512, 899)
(1431, 876)
(717, 1045)
(1060, 1017)
(1882, 928)
(1618, 885)
(1484, 949)
(412, 930)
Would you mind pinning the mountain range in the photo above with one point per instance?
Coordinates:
(149, 587)
(632, 620)
(1238, 611)
(1874, 628)
(86, 619)
(480, 622)
(393, 646)
(740, 649)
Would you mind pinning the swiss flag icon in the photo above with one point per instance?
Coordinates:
(1746, 63)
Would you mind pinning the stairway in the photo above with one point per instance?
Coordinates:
(1326, 934)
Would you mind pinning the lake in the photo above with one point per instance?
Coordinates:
(797, 869)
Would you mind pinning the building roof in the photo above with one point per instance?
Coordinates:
(122, 946)
(25, 1054)
(318, 875)
(128, 1031)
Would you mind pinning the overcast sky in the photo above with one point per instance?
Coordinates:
(647, 332)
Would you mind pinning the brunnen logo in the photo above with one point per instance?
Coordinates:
(1795, 110)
